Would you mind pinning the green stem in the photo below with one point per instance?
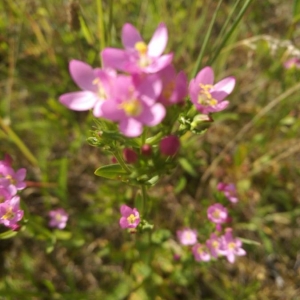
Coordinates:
(121, 161)
(205, 42)
(101, 24)
(19, 143)
(144, 197)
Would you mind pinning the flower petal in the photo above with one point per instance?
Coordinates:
(153, 115)
(115, 58)
(125, 210)
(131, 127)
(130, 36)
(82, 74)
(159, 63)
(205, 76)
(111, 111)
(79, 101)
(158, 41)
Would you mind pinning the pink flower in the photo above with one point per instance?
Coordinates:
(229, 191)
(134, 104)
(10, 212)
(214, 244)
(5, 194)
(200, 252)
(169, 145)
(137, 56)
(231, 247)
(208, 97)
(175, 87)
(291, 63)
(58, 218)
(187, 236)
(130, 217)
(217, 213)
(95, 85)
(10, 179)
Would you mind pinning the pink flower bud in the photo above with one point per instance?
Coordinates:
(169, 145)
(130, 156)
(146, 150)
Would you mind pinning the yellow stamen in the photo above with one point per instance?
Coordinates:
(9, 214)
(132, 107)
(205, 98)
(141, 47)
(131, 219)
(168, 90)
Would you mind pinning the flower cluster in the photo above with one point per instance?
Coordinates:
(146, 85)
(10, 183)
(218, 244)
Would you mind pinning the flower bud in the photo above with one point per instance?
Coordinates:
(169, 145)
(146, 150)
(130, 156)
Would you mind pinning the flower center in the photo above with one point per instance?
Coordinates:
(8, 215)
(142, 49)
(189, 236)
(101, 91)
(168, 90)
(132, 107)
(231, 245)
(12, 180)
(216, 214)
(205, 98)
(131, 219)
(215, 244)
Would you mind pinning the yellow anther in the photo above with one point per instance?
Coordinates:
(131, 219)
(132, 108)
(141, 47)
(168, 90)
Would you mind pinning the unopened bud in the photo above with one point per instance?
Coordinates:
(169, 145)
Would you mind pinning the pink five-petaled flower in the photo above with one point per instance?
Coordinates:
(134, 104)
(10, 212)
(231, 247)
(130, 217)
(175, 87)
(208, 97)
(214, 244)
(58, 218)
(229, 191)
(218, 214)
(292, 63)
(10, 179)
(95, 85)
(187, 236)
(137, 56)
(200, 252)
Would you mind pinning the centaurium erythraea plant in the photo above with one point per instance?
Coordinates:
(148, 92)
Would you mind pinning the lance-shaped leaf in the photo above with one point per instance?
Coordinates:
(114, 171)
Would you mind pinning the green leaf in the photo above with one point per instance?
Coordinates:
(138, 202)
(114, 171)
(7, 234)
(186, 165)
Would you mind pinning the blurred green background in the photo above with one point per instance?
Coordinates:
(255, 143)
